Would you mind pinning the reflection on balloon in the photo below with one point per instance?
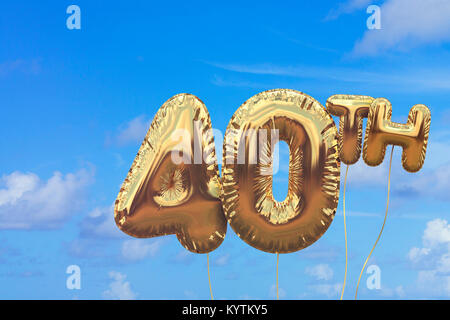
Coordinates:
(314, 171)
(165, 195)
(351, 109)
(173, 186)
(412, 136)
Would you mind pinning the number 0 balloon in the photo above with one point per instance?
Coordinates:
(314, 170)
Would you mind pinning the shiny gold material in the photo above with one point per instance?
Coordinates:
(412, 136)
(314, 172)
(160, 197)
(351, 110)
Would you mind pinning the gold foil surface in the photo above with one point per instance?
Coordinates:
(314, 172)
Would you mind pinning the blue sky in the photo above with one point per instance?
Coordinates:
(76, 105)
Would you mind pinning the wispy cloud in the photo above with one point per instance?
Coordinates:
(407, 78)
(99, 223)
(320, 272)
(139, 249)
(273, 292)
(132, 131)
(406, 24)
(322, 285)
(23, 66)
(393, 293)
(7, 251)
(321, 252)
(299, 71)
(183, 257)
(83, 248)
(299, 42)
(432, 183)
(362, 174)
(221, 82)
(222, 260)
(329, 290)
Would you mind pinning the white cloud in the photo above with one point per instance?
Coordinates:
(406, 24)
(139, 249)
(415, 254)
(133, 131)
(433, 260)
(437, 232)
(347, 7)
(27, 202)
(16, 185)
(119, 289)
(320, 272)
(273, 292)
(100, 223)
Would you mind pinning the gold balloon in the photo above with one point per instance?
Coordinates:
(314, 172)
(351, 110)
(161, 196)
(412, 136)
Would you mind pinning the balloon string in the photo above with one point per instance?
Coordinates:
(209, 277)
(345, 233)
(384, 222)
(278, 259)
